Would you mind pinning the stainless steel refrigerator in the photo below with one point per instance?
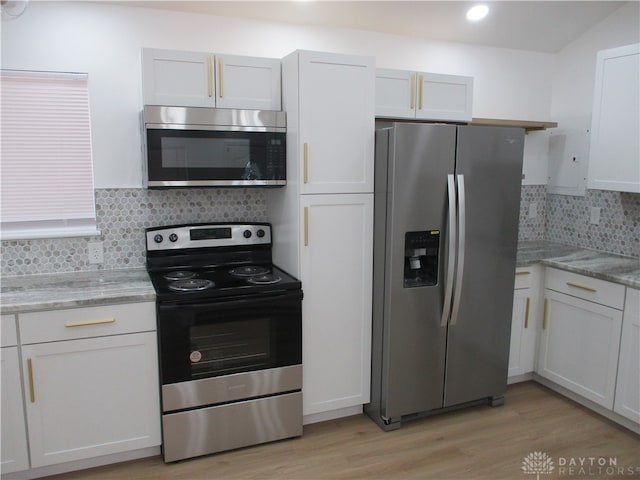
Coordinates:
(447, 204)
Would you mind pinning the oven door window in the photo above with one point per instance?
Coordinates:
(222, 338)
(183, 155)
(228, 347)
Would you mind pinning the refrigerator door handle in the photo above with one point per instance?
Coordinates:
(461, 247)
(451, 263)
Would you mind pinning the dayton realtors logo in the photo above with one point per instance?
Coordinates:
(537, 463)
(540, 463)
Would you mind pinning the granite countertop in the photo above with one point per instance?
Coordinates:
(605, 266)
(28, 293)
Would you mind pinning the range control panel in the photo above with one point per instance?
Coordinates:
(213, 235)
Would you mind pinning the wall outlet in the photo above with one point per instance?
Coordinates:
(594, 217)
(96, 252)
(533, 210)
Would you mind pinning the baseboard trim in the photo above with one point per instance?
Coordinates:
(83, 464)
(525, 377)
(331, 415)
(599, 409)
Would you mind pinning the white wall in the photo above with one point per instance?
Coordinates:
(105, 41)
(575, 65)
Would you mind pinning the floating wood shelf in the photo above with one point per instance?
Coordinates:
(526, 124)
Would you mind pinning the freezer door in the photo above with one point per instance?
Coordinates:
(419, 159)
(489, 160)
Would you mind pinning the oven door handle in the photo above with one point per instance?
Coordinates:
(238, 300)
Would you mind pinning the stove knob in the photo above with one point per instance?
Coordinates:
(158, 238)
(173, 237)
(260, 233)
(246, 234)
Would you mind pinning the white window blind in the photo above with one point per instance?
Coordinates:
(46, 169)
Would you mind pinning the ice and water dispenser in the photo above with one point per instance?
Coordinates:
(421, 251)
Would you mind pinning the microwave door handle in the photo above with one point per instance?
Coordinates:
(451, 234)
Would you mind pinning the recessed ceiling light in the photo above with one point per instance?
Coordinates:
(477, 13)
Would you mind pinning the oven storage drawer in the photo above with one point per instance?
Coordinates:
(225, 427)
(208, 391)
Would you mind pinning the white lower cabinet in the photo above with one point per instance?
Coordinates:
(92, 388)
(627, 400)
(580, 338)
(90, 397)
(336, 271)
(524, 322)
(14, 456)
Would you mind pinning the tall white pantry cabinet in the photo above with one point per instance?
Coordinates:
(323, 221)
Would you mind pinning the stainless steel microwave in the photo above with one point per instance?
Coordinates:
(209, 147)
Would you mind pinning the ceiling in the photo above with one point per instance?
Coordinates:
(543, 26)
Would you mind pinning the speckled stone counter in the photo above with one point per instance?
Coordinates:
(28, 293)
(605, 266)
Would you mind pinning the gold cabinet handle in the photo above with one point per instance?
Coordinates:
(209, 76)
(220, 77)
(526, 272)
(32, 392)
(545, 314)
(306, 226)
(305, 162)
(581, 287)
(420, 91)
(89, 322)
(413, 91)
(526, 313)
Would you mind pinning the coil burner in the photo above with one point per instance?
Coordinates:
(191, 285)
(249, 271)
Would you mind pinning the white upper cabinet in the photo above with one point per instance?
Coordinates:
(331, 115)
(615, 151)
(423, 96)
(200, 79)
(248, 82)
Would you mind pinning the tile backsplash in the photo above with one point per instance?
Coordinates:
(618, 230)
(122, 215)
(532, 197)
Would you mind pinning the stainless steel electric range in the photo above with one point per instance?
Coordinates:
(229, 336)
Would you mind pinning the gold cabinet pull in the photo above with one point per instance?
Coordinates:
(305, 162)
(32, 392)
(220, 77)
(209, 76)
(306, 226)
(545, 314)
(413, 91)
(526, 313)
(89, 322)
(581, 287)
(420, 91)
(526, 272)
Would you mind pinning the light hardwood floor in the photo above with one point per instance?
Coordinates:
(475, 443)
